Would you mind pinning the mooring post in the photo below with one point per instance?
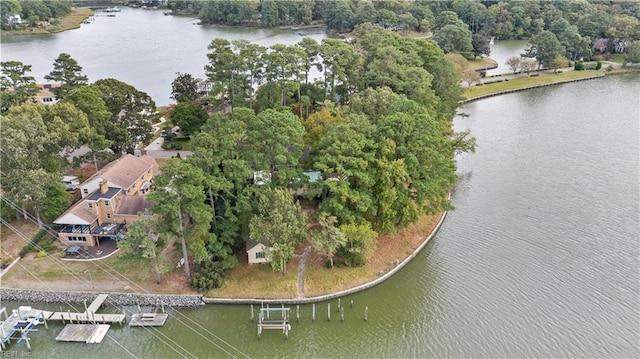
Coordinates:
(267, 310)
(329, 311)
(70, 320)
(366, 313)
(351, 303)
(342, 314)
(44, 320)
(138, 302)
(252, 312)
(298, 312)
(26, 339)
(162, 304)
(313, 316)
(338, 304)
(86, 310)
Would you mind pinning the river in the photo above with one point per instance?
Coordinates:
(540, 258)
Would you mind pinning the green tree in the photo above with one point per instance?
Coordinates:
(16, 86)
(633, 53)
(9, 7)
(480, 45)
(339, 16)
(189, 116)
(276, 140)
(132, 113)
(328, 238)
(558, 62)
(143, 245)
(455, 39)
(360, 243)
(68, 73)
(544, 48)
(280, 223)
(184, 88)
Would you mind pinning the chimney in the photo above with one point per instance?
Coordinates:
(104, 187)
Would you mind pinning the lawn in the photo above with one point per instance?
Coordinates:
(525, 82)
(71, 21)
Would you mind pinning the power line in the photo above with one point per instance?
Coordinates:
(120, 277)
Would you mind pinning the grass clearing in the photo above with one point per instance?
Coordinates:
(71, 21)
(525, 82)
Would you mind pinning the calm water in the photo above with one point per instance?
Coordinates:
(539, 259)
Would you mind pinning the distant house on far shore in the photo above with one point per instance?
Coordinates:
(45, 94)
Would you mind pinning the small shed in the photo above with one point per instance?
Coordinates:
(257, 252)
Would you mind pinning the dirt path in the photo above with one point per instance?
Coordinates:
(303, 259)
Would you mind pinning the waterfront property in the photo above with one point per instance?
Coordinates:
(111, 198)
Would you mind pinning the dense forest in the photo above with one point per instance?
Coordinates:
(376, 125)
(33, 12)
(502, 19)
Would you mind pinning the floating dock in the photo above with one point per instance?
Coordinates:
(84, 333)
(148, 319)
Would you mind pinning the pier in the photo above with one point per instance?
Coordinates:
(82, 327)
(280, 323)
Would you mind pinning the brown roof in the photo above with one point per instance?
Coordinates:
(77, 214)
(134, 204)
(127, 169)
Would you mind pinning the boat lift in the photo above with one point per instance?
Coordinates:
(281, 321)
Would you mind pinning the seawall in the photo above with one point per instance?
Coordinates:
(114, 299)
(339, 294)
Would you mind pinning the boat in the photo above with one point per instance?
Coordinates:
(168, 12)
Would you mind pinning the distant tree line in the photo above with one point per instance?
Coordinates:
(33, 11)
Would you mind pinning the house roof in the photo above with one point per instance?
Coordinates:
(111, 192)
(251, 244)
(124, 171)
(77, 214)
(134, 204)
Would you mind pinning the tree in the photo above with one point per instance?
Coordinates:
(9, 7)
(340, 16)
(275, 138)
(280, 224)
(544, 48)
(514, 63)
(132, 113)
(16, 86)
(528, 65)
(456, 39)
(328, 238)
(559, 62)
(360, 243)
(184, 88)
(480, 45)
(68, 73)
(471, 77)
(633, 53)
(144, 245)
(189, 116)
(180, 202)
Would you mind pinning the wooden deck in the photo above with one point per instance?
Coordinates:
(95, 305)
(84, 333)
(148, 319)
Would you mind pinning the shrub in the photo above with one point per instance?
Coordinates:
(209, 275)
(176, 146)
(33, 243)
(579, 66)
(609, 68)
(41, 254)
(598, 65)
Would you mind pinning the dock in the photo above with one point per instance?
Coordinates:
(82, 327)
(84, 333)
(281, 322)
(148, 319)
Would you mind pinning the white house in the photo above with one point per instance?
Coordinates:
(257, 252)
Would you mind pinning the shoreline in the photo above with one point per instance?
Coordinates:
(68, 22)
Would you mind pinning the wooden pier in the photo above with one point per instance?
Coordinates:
(89, 315)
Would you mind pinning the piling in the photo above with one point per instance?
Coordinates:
(339, 305)
(351, 303)
(313, 315)
(342, 314)
(252, 312)
(329, 311)
(366, 313)
(298, 312)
